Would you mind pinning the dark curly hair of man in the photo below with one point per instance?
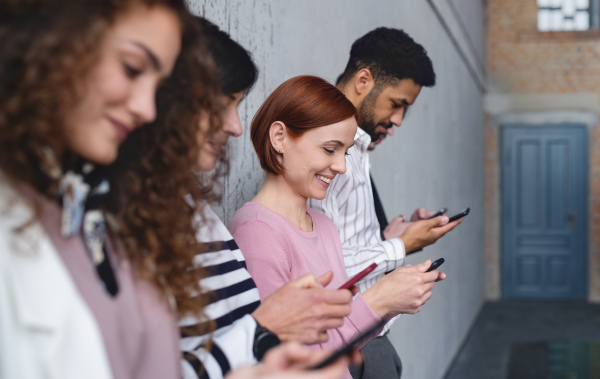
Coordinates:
(390, 54)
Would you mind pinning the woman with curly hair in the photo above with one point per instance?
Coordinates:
(85, 288)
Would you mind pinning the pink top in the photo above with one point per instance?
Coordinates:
(138, 328)
(277, 252)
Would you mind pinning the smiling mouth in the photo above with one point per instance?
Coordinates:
(324, 179)
(121, 129)
(218, 148)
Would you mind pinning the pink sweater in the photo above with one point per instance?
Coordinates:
(277, 252)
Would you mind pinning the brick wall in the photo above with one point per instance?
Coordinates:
(523, 61)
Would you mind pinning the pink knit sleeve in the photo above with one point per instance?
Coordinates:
(266, 259)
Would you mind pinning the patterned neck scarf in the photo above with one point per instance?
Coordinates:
(83, 192)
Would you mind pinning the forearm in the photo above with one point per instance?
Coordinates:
(361, 318)
(387, 254)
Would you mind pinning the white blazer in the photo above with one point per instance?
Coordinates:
(46, 329)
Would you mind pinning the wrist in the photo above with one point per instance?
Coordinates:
(261, 317)
(264, 340)
(377, 304)
(408, 243)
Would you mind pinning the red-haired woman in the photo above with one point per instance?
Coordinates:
(301, 135)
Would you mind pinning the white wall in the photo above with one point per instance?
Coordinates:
(434, 160)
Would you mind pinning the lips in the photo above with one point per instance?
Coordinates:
(325, 181)
(216, 147)
(121, 129)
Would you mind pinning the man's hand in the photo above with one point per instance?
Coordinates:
(404, 290)
(396, 227)
(399, 224)
(290, 361)
(421, 214)
(302, 310)
(426, 232)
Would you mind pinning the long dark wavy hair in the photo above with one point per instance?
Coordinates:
(47, 49)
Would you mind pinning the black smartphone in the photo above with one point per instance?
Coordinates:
(461, 214)
(347, 349)
(438, 213)
(358, 277)
(435, 264)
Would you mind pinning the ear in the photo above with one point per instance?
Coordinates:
(359, 86)
(278, 136)
(363, 83)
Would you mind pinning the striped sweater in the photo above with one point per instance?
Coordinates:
(236, 298)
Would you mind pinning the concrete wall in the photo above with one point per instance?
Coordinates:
(532, 74)
(434, 160)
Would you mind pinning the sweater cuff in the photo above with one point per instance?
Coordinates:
(362, 317)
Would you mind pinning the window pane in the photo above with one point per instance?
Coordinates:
(568, 7)
(568, 25)
(582, 21)
(556, 22)
(543, 20)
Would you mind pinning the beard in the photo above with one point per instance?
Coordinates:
(367, 117)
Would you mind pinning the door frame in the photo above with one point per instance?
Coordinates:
(542, 122)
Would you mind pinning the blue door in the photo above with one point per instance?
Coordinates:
(544, 211)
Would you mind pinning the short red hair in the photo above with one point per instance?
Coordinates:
(301, 103)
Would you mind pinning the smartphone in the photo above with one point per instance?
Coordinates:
(358, 277)
(435, 264)
(438, 213)
(347, 349)
(461, 214)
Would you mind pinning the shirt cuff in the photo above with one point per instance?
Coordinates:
(395, 253)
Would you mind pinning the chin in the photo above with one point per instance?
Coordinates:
(101, 158)
(319, 196)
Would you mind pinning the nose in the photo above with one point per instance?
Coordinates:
(396, 118)
(339, 165)
(142, 103)
(232, 124)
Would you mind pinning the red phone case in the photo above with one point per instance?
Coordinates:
(358, 277)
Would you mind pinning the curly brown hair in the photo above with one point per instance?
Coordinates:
(155, 194)
(48, 49)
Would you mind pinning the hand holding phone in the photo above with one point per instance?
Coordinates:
(435, 264)
(358, 277)
(460, 214)
(346, 350)
(438, 213)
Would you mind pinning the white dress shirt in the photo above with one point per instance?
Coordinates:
(349, 203)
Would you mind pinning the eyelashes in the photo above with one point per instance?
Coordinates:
(330, 151)
(131, 71)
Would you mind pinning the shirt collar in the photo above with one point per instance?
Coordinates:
(361, 140)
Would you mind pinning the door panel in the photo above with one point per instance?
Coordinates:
(544, 211)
